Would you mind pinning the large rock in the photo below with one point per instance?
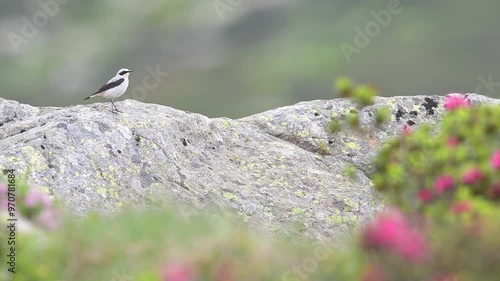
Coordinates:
(281, 169)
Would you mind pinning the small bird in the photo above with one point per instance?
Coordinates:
(115, 87)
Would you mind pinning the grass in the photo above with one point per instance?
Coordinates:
(137, 245)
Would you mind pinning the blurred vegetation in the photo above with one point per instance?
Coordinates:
(158, 244)
(262, 54)
(447, 182)
(446, 168)
(362, 96)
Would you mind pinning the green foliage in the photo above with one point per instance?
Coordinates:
(323, 148)
(382, 115)
(466, 141)
(353, 121)
(344, 86)
(334, 126)
(360, 94)
(447, 180)
(464, 248)
(143, 245)
(364, 95)
(350, 171)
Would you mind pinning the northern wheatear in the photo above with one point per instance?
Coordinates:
(114, 88)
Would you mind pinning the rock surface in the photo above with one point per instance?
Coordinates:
(280, 169)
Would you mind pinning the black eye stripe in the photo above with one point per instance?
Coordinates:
(123, 72)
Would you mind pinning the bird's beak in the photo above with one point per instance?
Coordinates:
(130, 71)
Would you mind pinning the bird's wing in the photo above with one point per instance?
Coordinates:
(110, 85)
(115, 78)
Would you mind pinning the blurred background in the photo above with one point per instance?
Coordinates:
(238, 57)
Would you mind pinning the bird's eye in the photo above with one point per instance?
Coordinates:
(123, 72)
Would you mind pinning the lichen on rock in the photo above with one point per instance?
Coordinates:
(271, 169)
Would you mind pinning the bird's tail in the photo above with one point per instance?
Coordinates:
(91, 96)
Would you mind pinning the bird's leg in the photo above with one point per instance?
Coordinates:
(114, 107)
(118, 109)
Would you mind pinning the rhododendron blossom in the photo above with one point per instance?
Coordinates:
(452, 142)
(424, 195)
(456, 100)
(495, 190)
(393, 231)
(49, 218)
(461, 207)
(35, 197)
(495, 160)
(406, 130)
(472, 176)
(443, 183)
(178, 272)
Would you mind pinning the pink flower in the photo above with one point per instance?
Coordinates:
(414, 247)
(178, 272)
(4, 204)
(452, 142)
(472, 176)
(34, 197)
(406, 130)
(425, 195)
(456, 100)
(495, 160)
(443, 183)
(461, 207)
(392, 231)
(386, 229)
(495, 190)
(49, 218)
(3, 190)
